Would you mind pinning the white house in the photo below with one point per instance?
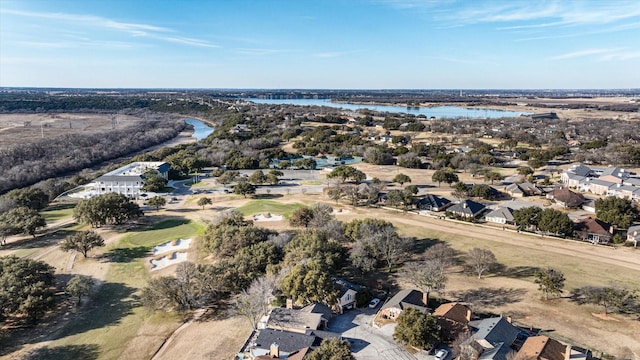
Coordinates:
(501, 215)
(129, 179)
(633, 234)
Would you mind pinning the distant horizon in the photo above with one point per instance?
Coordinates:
(319, 89)
(330, 44)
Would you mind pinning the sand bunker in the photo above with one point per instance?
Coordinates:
(172, 255)
(267, 217)
(168, 246)
(171, 259)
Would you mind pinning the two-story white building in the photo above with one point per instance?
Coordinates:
(129, 179)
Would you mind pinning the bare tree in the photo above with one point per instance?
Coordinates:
(481, 260)
(253, 302)
(427, 275)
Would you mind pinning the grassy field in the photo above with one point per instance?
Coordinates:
(114, 325)
(58, 213)
(269, 206)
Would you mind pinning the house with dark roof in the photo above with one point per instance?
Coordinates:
(453, 319)
(296, 320)
(542, 348)
(492, 338)
(594, 230)
(566, 198)
(283, 344)
(467, 209)
(403, 300)
(501, 215)
(433, 203)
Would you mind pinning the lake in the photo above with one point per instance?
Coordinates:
(451, 112)
(200, 129)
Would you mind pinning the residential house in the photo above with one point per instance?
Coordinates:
(346, 295)
(571, 180)
(453, 318)
(492, 338)
(467, 209)
(283, 344)
(622, 191)
(433, 203)
(633, 234)
(129, 179)
(501, 215)
(600, 187)
(566, 198)
(523, 189)
(312, 317)
(542, 348)
(403, 300)
(589, 205)
(594, 230)
(614, 175)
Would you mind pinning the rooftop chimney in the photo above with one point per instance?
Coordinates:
(289, 304)
(274, 350)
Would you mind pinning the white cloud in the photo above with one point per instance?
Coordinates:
(133, 29)
(588, 52)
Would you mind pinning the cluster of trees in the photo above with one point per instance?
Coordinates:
(547, 220)
(616, 211)
(107, 209)
(20, 220)
(27, 288)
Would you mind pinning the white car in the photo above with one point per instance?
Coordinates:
(441, 354)
(374, 302)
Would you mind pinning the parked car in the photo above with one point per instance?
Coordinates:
(441, 354)
(374, 302)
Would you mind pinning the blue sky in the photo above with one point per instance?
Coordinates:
(329, 44)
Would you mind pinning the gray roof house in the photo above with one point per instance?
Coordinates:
(501, 215)
(403, 300)
(433, 203)
(467, 208)
(282, 344)
(523, 189)
(492, 338)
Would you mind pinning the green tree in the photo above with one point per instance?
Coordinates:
(106, 209)
(493, 176)
(27, 287)
(550, 281)
(417, 329)
(204, 201)
(32, 198)
(82, 241)
(616, 211)
(228, 177)
(310, 282)
(481, 191)
(525, 170)
(612, 298)
(157, 201)
(79, 285)
(301, 217)
(401, 179)
(244, 188)
(527, 217)
(555, 221)
(345, 172)
(460, 190)
(153, 182)
(447, 176)
(231, 233)
(257, 178)
(194, 286)
(332, 349)
(21, 220)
